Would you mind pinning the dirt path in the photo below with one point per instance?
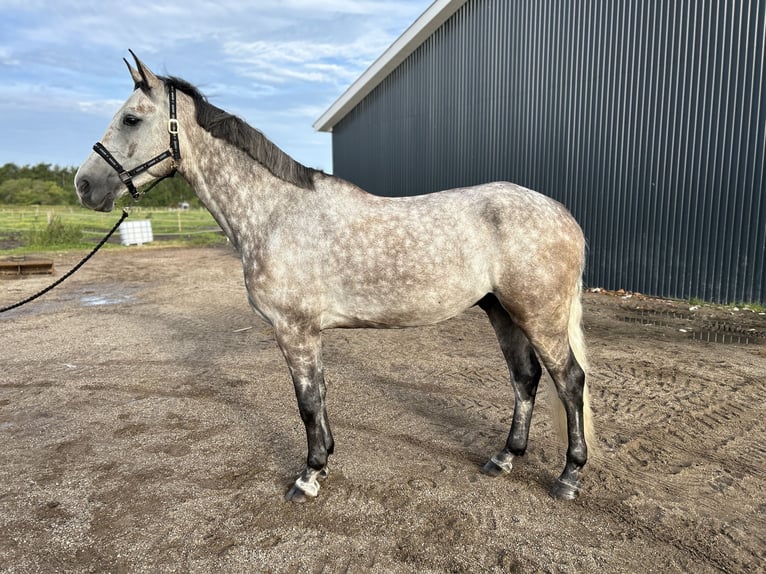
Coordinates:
(148, 424)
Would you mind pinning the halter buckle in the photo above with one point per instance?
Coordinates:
(125, 177)
(173, 126)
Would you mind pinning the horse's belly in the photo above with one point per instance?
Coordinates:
(407, 276)
(400, 306)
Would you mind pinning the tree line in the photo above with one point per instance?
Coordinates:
(46, 184)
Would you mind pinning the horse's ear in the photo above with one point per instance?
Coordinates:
(143, 77)
(137, 80)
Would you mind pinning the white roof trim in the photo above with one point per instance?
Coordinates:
(434, 16)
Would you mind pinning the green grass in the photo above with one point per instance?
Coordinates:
(54, 228)
(55, 233)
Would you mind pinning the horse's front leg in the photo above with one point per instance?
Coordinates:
(303, 352)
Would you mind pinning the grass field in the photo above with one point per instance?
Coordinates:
(21, 225)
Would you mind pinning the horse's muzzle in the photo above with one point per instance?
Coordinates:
(87, 199)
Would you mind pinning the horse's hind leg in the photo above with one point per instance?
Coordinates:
(548, 333)
(304, 358)
(525, 375)
(570, 384)
(569, 379)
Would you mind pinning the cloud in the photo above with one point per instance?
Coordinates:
(305, 60)
(154, 25)
(274, 40)
(38, 96)
(276, 63)
(6, 57)
(105, 108)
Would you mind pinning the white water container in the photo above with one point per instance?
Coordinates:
(136, 232)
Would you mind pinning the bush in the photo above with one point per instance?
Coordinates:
(27, 191)
(55, 233)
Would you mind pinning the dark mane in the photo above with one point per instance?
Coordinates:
(238, 133)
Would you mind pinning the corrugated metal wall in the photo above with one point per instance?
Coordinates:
(646, 118)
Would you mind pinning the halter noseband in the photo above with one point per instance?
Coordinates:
(174, 151)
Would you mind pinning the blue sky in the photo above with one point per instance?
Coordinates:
(278, 64)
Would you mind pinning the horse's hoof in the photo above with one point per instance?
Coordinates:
(565, 490)
(498, 465)
(295, 494)
(305, 488)
(492, 469)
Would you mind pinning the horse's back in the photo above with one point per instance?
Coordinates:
(503, 207)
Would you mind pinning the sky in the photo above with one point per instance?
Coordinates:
(278, 64)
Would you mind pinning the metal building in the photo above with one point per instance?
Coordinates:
(647, 119)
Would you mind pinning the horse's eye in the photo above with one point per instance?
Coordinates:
(130, 120)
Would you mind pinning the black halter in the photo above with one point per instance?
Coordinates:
(126, 176)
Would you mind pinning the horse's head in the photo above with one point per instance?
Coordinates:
(135, 144)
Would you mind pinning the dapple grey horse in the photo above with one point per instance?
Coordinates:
(320, 253)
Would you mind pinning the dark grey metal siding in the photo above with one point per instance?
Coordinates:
(646, 118)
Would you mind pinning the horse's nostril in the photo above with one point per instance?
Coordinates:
(83, 186)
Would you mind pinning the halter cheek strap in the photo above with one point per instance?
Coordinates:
(174, 151)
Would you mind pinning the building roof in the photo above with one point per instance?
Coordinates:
(434, 16)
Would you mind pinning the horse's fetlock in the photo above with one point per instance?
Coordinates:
(577, 456)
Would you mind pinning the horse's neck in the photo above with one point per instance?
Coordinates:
(240, 193)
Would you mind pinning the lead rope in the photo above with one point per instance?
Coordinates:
(71, 271)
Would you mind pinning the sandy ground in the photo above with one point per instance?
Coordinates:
(148, 424)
